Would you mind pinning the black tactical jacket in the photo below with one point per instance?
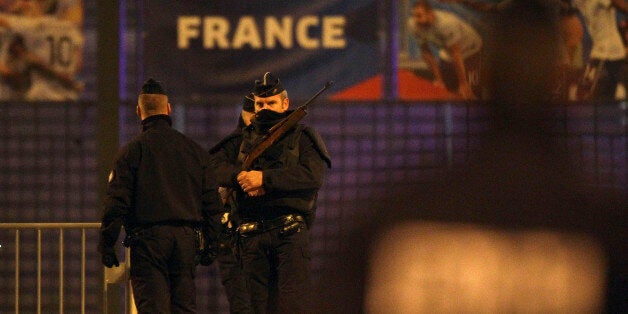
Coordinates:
(160, 177)
(293, 171)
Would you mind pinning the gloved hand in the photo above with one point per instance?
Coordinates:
(207, 256)
(109, 258)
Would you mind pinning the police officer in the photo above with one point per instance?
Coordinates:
(275, 201)
(160, 190)
(232, 275)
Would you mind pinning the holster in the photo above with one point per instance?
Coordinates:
(128, 239)
(201, 243)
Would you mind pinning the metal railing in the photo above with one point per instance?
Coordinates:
(117, 275)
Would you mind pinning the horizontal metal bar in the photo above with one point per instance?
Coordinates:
(17, 271)
(49, 225)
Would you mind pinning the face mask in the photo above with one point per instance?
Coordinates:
(265, 119)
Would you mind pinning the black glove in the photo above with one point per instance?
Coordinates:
(109, 258)
(207, 256)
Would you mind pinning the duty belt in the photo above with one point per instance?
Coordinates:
(138, 229)
(287, 223)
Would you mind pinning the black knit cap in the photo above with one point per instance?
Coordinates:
(152, 87)
(248, 103)
(268, 86)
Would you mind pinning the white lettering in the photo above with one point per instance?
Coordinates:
(187, 28)
(247, 33)
(333, 32)
(306, 32)
(303, 30)
(215, 31)
(278, 32)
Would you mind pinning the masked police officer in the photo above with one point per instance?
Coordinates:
(275, 200)
(160, 189)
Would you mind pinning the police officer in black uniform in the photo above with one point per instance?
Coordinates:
(161, 191)
(276, 200)
(232, 275)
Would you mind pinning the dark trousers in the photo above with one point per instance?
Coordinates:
(235, 282)
(163, 269)
(613, 73)
(278, 270)
(473, 66)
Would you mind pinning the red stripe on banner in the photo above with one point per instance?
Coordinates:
(411, 87)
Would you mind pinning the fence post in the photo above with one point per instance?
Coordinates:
(116, 279)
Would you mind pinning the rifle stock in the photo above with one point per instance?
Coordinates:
(273, 135)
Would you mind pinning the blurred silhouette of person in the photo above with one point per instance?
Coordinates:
(15, 71)
(571, 35)
(458, 43)
(605, 71)
(56, 43)
(570, 44)
(21, 66)
(550, 241)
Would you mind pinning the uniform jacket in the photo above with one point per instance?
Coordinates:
(159, 177)
(291, 183)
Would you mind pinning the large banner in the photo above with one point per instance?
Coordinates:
(441, 43)
(215, 50)
(41, 50)
(432, 34)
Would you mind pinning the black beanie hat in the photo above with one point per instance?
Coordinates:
(267, 86)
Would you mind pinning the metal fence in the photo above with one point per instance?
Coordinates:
(115, 280)
(22, 248)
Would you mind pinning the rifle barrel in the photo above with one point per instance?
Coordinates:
(327, 85)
